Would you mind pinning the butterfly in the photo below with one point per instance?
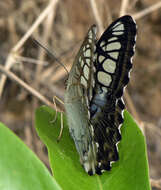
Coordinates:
(93, 97)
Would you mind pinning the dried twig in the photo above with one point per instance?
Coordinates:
(147, 11)
(156, 183)
(41, 54)
(21, 59)
(124, 6)
(60, 73)
(153, 127)
(133, 110)
(47, 32)
(109, 15)
(39, 20)
(131, 106)
(26, 86)
(16, 48)
(97, 16)
(132, 4)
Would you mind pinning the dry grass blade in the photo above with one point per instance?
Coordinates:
(156, 183)
(20, 43)
(32, 91)
(48, 28)
(60, 73)
(20, 59)
(153, 127)
(38, 21)
(147, 11)
(124, 6)
(97, 16)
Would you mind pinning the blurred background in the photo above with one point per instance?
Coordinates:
(61, 25)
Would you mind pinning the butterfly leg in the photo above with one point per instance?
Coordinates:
(61, 113)
(62, 126)
(59, 100)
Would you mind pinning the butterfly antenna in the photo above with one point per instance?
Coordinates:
(50, 54)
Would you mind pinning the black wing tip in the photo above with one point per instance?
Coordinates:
(90, 172)
(105, 165)
(127, 18)
(121, 104)
(119, 93)
(129, 64)
(102, 168)
(98, 171)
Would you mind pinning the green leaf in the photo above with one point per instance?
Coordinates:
(130, 172)
(20, 169)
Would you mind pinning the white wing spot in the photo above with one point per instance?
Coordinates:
(104, 89)
(113, 46)
(112, 39)
(94, 48)
(95, 55)
(101, 58)
(118, 23)
(89, 40)
(104, 48)
(90, 34)
(80, 59)
(109, 66)
(88, 61)
(77, 71)
(97, 144)
(86, 71)
(119, 27)
(87, 53)
(82, 63)
(118, 33)
(114, 54)
(102, 43)
(95, 30)
(104, 78)
(94, 69)
(83, 81)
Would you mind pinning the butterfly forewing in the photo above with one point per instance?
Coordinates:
(114, 51)
(113, 62)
